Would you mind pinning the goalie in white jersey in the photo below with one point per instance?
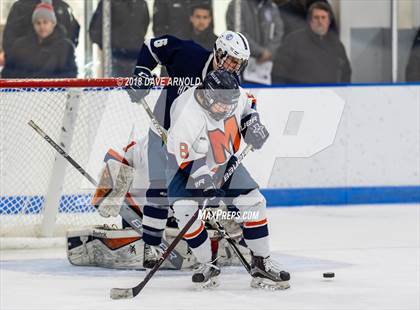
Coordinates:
(209, 124)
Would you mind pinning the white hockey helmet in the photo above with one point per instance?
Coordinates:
(232, 46)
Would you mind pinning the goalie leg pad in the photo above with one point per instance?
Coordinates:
(253, 214)
(103, 246)
(196, 236)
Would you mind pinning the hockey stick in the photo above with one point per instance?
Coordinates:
(128, 214)
(62, 152)
(221, 230)
(125, 293)
(161, 131)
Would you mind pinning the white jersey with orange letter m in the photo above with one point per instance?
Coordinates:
(195, 135)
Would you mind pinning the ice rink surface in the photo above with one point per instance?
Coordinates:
(373, 250)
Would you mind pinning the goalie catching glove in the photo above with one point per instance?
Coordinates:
(115, 181)
(253, 131)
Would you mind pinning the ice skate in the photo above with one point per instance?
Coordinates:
(151, 255)
(206, 276)
(267, 274)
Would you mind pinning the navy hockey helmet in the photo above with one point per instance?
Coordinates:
(220, 94)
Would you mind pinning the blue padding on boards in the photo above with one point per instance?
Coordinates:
(289, 197)
(341, 195)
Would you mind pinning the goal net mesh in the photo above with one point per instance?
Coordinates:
(105, 118)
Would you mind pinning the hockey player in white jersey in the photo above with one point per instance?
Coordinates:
(210, 122)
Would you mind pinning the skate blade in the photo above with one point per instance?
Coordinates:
(269, 285)
(211, 283)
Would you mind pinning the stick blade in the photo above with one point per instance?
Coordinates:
(121, 293)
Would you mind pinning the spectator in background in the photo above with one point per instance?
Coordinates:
(129, 21)
(295, 14)
(44, 52)
(313, 55)
(173, 17)
(19, 21)
(261, 24)
(412, 72)
(200, 29)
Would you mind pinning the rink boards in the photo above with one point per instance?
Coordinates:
(328, 146)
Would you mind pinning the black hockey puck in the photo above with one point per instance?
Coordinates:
(328, 274)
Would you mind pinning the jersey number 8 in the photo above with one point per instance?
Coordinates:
(183, 150)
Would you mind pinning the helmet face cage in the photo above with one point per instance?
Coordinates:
(220, 103)
(222, 57)
(231, 51)
(220, 94)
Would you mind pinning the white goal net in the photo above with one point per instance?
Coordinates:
(86, 120)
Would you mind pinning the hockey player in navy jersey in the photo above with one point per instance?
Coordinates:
(184, 60)
(210, 122)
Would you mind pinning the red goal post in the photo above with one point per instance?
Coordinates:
(62, 83)
(40, 194)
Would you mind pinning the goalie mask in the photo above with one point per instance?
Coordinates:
(219, 94)
(231, 51)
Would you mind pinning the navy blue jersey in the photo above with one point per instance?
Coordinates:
(184, 60)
